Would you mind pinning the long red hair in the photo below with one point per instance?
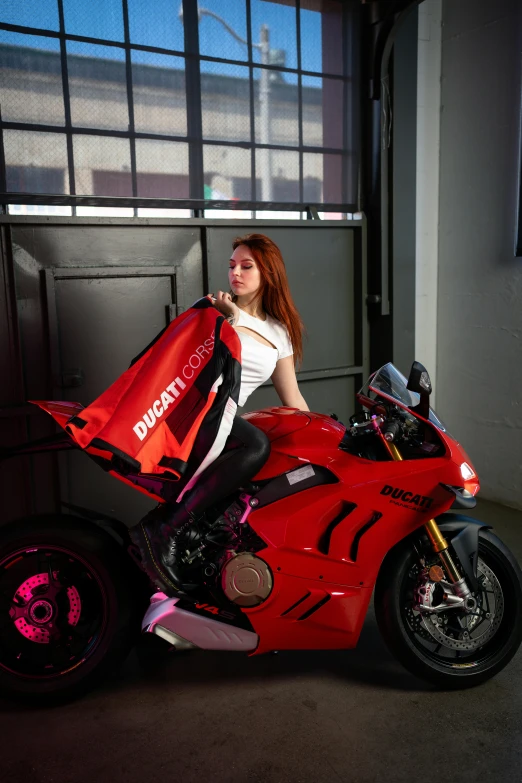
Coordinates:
(274, 290)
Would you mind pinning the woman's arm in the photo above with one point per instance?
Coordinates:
(286, 386)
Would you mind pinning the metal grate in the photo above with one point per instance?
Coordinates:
(248, 104)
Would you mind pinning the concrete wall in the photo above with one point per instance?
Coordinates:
(479, 323)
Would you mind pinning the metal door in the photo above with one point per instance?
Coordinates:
(99, 319)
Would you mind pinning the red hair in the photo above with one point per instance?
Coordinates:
(274, 290)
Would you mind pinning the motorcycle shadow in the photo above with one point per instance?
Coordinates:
(369, 664)
(155, 667)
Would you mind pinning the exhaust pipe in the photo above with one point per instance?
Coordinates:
(187, 630)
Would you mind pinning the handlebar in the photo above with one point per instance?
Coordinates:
(391, 430)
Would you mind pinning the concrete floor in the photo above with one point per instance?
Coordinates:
(313, 717)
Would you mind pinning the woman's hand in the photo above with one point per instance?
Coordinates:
(223, 302)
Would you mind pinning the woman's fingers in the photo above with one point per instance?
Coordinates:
(223, 296)
(223, 301)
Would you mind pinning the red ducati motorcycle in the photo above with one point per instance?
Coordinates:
(289, 562)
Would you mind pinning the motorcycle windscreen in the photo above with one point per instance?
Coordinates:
(390, 383)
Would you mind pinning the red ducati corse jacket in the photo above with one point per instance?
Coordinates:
(178, 396)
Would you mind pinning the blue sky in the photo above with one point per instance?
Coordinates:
(159, 24)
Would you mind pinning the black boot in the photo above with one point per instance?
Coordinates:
(157, 537)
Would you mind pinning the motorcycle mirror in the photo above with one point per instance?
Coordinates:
(419, 382)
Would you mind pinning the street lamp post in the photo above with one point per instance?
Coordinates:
(264, 96)
(264, 116)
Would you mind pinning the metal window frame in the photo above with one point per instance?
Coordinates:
(194, 138)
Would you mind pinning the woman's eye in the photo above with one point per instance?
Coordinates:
(248, 267)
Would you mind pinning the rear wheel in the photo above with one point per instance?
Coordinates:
(453, 648)
(67, 607)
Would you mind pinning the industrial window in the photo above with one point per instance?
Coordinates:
(229, 104)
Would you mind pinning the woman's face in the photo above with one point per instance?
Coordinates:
(243, 273)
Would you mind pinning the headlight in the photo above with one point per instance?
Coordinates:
(467, 472)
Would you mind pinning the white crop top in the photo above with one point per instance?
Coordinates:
(258, 361)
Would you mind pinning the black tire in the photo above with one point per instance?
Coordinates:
(393, 602)
(69, 607)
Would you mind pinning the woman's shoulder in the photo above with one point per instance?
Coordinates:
(276, 325)
(280, 330)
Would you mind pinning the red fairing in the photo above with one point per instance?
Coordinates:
(325, 545)
(61, 411)
(296, 437)
(277, 422)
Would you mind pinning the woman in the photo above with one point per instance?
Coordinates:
(262, 312)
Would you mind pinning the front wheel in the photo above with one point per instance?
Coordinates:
(453, 648)
(67, 607)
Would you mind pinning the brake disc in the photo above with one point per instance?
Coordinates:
(459, 630)
(34, 607)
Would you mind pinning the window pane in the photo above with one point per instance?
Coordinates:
(322, 178)
(276, 108)
(102, 166)
(39, 209)
(332, 215)
(104, 211)
(225, 101)
(164, 213)
(94, 19)
(228, 214)
(323, 112)
(97, 86)
(158, 85)
(36, 162)
(162, 169)
(31, 92)
(31, 13)
(322, 36)
(30, 79)
(159, 25)
(278, 171)
(275, 24)
(271, 215)
(221, 165)
(214, 39)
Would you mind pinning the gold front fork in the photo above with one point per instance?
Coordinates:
(438, 542)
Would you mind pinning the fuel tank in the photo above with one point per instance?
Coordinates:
(278, 422)
(296, 437)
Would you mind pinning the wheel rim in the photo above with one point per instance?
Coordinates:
(454, 639)
(53, 611)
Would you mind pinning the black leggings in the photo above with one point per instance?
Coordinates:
(246, 450)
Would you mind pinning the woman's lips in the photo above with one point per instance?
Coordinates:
(236, 282)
